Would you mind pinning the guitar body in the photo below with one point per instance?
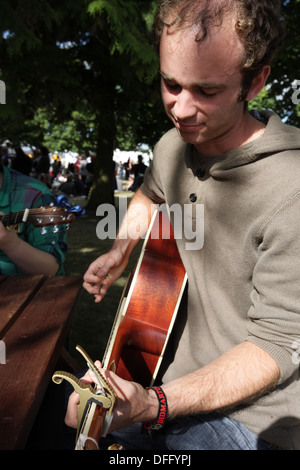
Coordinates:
(148, 307)
(144, 320)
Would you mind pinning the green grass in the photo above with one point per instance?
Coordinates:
(92, 322)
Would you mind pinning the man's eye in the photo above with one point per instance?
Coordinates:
(172, 86)
(207, 94)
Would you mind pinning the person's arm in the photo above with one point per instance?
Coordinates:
(108, 267)
(28, 259)
(243, 373)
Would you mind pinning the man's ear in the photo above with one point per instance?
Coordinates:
(258, 83)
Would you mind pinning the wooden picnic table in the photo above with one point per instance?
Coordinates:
(35, 320)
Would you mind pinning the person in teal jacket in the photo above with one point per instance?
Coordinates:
(29, 250)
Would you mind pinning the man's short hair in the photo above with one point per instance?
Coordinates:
(259, 24)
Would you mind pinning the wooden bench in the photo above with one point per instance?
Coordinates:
(35, 320)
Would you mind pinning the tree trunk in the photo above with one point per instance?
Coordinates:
(104, 172)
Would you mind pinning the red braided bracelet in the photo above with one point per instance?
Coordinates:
(162, 412)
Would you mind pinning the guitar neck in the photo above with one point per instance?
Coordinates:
(39, 216)
(14, 218)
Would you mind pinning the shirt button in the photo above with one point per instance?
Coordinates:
(200, 173)
(193, 197)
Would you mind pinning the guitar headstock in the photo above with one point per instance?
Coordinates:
(42, 216)
(50, 215)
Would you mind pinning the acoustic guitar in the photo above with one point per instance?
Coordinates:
(142, 325)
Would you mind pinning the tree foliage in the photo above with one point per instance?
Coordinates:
(82, 74)
(84, 71)
(286, 67)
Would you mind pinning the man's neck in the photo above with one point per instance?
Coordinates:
(255, 130)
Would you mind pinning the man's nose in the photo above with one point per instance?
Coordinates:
(185, 106)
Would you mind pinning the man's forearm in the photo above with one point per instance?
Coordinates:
(135, 223)
(244, 372)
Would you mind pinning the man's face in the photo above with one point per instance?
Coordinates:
(200, 85)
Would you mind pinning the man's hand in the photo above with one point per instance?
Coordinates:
(103, 272)
(133, 402)
(108, 268)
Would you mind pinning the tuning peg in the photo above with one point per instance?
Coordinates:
(62, 201)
